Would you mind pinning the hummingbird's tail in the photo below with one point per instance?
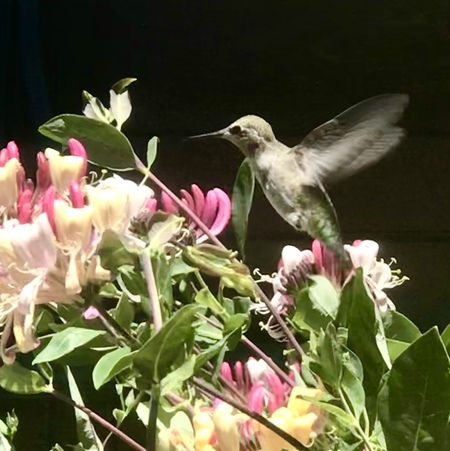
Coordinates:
(319, 219)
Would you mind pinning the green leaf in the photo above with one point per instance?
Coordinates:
(351, 383)
(206, 298)
(86, 433)
(110, 365)
(395, 348)
(399, 327)
(162, 351)
(234, 322)
(114, 253)
(316, 305)
(63, 343)
(241, 202)
(175, 378)
(17, 379)
(209, 353)
(357, 313)
(122, 85)
(124, 312)
(161, 269)
(446, 337)
(106, 146)
(414, 403)
(164, 228)
(152, 149)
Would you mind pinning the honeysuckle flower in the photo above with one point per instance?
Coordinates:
(67, 168)
(377, 274)
(214, 209)
(91, 313)
(327, 264)
(115, 201)
(9, 189)
(28, 257)
(300, 418)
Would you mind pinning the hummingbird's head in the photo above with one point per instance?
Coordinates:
(248, 133)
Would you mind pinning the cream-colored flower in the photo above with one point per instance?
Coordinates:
(64, 169)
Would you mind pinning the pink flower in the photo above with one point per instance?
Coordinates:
(214, 209)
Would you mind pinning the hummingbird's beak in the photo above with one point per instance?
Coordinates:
(219, 134)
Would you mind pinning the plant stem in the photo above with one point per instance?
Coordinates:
(256, 416)
(347, 408)
(152, 290)
(183, 206)
(95, 417)
(152, 418)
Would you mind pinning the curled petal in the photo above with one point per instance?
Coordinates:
(223, 212)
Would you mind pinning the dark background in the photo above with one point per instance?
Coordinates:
(201, 64)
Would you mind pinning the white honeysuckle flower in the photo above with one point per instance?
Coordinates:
(364, 255)
(292, 257)
(8, 183)
(64, 169)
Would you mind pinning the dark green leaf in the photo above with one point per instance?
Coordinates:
(161, 352)
(446, 337)
(234, 322)
(414, 403)
(164, 228)
(210, 353)
(89, 440)
(152, 149)
(357, 313)
(122, 85)
(242, 199)
(206, 298)
(62, 343)
(175, 378)
(161, 269)
(106, 146)
(316, 305)
(17, 379)
(110, 365)
(124, 312)
(113, 253)
(399, 327)
(395, 348)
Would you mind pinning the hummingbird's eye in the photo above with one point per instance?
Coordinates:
(235, 130)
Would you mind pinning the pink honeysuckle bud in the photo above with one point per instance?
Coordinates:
(13, 150)
(43, 179)
(210, 210)
(239, 373)
(77, 149)
(226, 373)
(24, 206)
(199, 199)
(168, 204)
(91, 313)
(256, 397)
(48, 206)
(76, 195)
(21, 178)
(151, 204)
(277, 392)
(188, 199)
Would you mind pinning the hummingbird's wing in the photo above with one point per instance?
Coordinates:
(353, 140)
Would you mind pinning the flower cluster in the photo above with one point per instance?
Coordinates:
(220, 427)
(296, 265)
(50, 231)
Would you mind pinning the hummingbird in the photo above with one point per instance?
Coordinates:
(294, 179)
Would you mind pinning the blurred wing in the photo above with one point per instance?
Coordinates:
(354, 140)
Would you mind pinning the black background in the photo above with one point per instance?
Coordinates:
(201, 64)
